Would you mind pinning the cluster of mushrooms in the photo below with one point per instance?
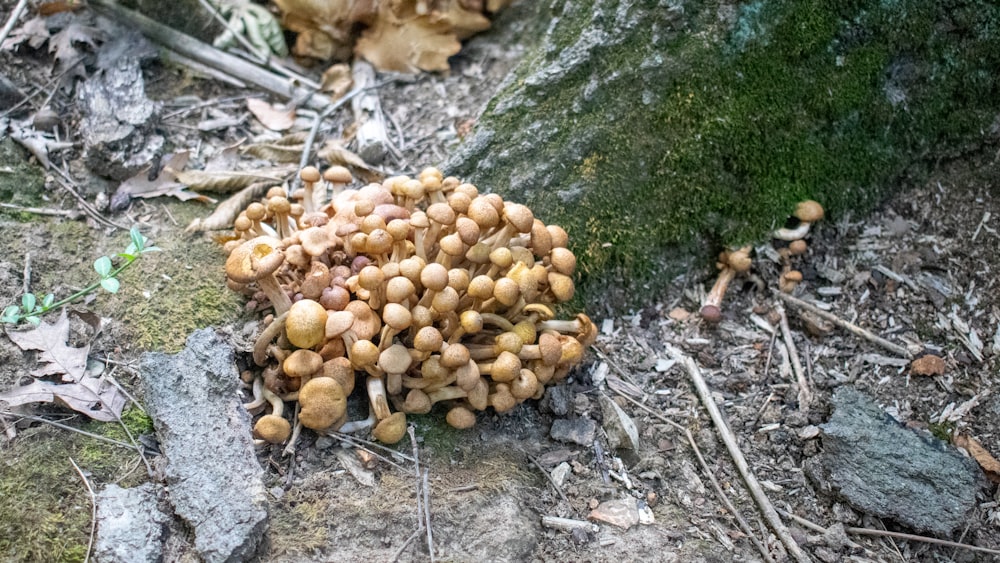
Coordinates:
(790, 241)
(425, 288)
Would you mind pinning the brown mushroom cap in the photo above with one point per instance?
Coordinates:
(809, 211)
(310, 174)
(461, 418)
(306, 323)
(322, 402)
(338, 175)
(341, 370)
(272, 429)
(302, 363)
(392, 429)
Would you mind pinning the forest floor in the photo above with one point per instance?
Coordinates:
(919, 271)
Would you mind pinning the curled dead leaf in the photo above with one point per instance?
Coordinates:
(276, 118)
(986, 460)
(337, 81)
(227, 211)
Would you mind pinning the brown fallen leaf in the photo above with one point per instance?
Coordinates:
(335, 153)
(273, 117)
(411, 45)
(93, 396)
(228, 181)
(227, 211)
(337, 81)
(165, 184)
(986, 460)
(55, 355)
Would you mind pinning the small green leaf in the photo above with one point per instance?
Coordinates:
(33, 320)
(103, 266)
(28, 301)
(111, 285)
(48, 300)
(152, 249)
(130, 251)
(10, 314)
(138, 240)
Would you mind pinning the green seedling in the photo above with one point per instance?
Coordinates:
(33, 307)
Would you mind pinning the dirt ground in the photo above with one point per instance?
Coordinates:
(918, 272)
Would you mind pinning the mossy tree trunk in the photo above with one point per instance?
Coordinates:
(647, 128)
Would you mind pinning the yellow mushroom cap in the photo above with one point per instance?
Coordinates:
(306, 323)
(302, 363)
(322, 402)
(392, 429)
(272, 429)
(809, 211)
(461, 418)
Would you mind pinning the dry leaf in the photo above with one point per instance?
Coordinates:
(273, 117)
(408, 45)
(275, 152)
(57, 357)
(227, 211)
(92, 396)
(34, 31)
(989, 463)
(326, 29)
(228, 181)
(337, 81)
(166, 183)
(335, 153)
(63, 44)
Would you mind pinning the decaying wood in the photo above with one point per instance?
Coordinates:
(210, 56)
(371, 137)
(568, 524)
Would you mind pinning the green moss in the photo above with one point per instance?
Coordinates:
(21, 182)
(46, 510)
(727, 124)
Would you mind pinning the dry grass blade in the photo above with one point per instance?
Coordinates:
(93, 509)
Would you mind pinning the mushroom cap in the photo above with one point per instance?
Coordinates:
(341, 370)
(392, 429)
(797, 246)
(366, 322)
(809, 211)
(302, 363)
(338, 322)
(310, 174)
(550, 348)
(711, 313)
(739, 260)
(524, 385)
(417, 402)
(306, 323)
(338, 175)
(272, 429)
(501, 399)
(322, 402)
(461, 418)
(395, 359)
(254, 259)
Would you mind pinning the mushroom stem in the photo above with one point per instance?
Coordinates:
(258, 396)
(377, 398)
(711, 309)
(792, 234)
(296, 430)
(269, 333)
(279, 299)
(277, 405)
(359, 425)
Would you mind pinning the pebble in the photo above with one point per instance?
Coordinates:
(576, 430)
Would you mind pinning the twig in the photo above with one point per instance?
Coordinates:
(93, 510)
(568, 524)
(850, 327)
(886, 533)
(416, 474)
(12, 20)
(772, 518)
(70, 428)
(314, 130)
(361, 443)
(551, 480)
(406, 544)
(67, 183)
(68, 213)
(208, 55)
(427, 514)
(131, 438)
(26, 277)
(371, 137)
(743, 524)
(805, 395)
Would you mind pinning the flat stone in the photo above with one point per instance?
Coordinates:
(130, 526)
(558, 399)
(619, 426)
(560, 473)
(882, 468)
(621, 513)
(214, 480)
(576, 430)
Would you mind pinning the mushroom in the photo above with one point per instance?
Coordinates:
(306, 324)
(788, 281)
(273, 428)
(807, 212)
(461, 418)
(323, 403)
(310, 176)
(394, 361)
(731, 263)
(392, 429)
(302, 364)
(256, 260)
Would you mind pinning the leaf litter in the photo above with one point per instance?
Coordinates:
(77, 388)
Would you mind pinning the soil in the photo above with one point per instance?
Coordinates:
(918, 272)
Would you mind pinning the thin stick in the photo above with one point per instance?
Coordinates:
(427, 513)
(406, 544)
(850, 327)
(68, 213)
(416, 475)
(208, 55)
(767, 510)
(898, 535)
(67, 183)
(70, 428)
(26, 277)
(12, 20)
(805, 395)
(743, 524)
(551, 480)
(93, 510)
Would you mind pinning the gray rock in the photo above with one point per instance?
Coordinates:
(118, 117)
(621, 430)
(884, 469)
(130, 526)
(212, 473)
(558, 399)
(575, 430)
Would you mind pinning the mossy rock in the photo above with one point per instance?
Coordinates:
(648, 129)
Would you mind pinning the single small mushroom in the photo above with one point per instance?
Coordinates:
(461, 418)
(273, 428)
(323, 403)
(807, 212)
(257, 260)
(342, 371)
(394, 361)
(302, 364)
(391, 429)
(788, 281)
(731, 263)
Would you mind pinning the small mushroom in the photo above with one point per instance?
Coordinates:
(392, 429)
(256, 260)
(731, 263)
(306, 324)
(322, 403)
(461, 418)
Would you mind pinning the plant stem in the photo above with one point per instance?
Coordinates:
(83, 292)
